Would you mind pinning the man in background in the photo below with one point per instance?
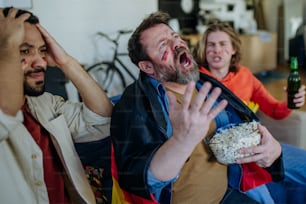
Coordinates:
(37, 130)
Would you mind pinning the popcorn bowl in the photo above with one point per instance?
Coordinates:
(228, 141)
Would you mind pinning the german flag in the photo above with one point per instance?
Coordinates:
(120, 196)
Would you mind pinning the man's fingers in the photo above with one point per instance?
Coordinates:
(24, 17)
(188, 95)
(202, 103)
(42, 29)
(172, 101)
(302, 88)
(215, 111)
(248, 159)
(210, 101)
(200, 99)
(13, 12)
(45, 33)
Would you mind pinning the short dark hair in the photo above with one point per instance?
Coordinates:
(32, 19)
(136, 51)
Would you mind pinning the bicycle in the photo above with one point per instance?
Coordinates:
(107, 73)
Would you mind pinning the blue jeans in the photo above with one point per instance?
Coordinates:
(261, 193)
(295, 164)
(291, 190)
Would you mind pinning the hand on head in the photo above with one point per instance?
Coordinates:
(56, 54)
(11, 37)
(12, 28)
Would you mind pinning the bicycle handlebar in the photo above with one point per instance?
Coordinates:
(119, 33)
(105, 35)
(125, 31)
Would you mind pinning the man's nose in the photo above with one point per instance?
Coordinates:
(39, 61)
(177, 45)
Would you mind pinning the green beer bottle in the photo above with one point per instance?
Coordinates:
(294, 82)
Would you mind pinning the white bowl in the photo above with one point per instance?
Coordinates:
(228, 141)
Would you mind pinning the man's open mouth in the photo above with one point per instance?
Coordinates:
(184, 58)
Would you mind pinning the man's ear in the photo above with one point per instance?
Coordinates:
(147, 67)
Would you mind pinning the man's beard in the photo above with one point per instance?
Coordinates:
(34, 91)
(184, 78)
(175, 74)
(39, 87)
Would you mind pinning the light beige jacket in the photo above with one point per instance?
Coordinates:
(21, 166)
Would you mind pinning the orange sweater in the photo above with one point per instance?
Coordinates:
(249, 89)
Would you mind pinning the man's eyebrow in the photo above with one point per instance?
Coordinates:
(174, 33)
(30, 46)
(26, 45)
(160, 40)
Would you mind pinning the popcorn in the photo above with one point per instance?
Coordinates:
(227, 142)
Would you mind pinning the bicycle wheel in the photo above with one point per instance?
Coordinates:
(108, 77)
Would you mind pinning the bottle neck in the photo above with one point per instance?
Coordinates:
(294, 69)
(294, 63)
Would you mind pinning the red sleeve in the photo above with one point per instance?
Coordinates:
(267, 103)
